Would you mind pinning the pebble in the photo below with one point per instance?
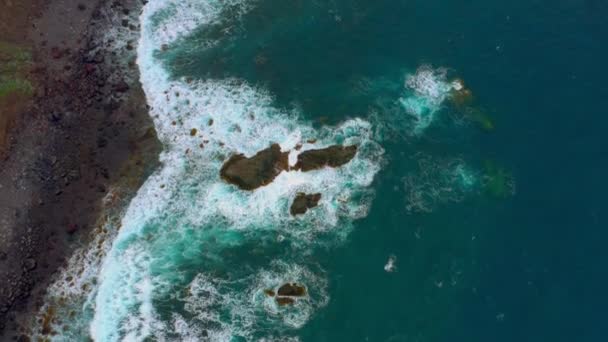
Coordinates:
(29, 264)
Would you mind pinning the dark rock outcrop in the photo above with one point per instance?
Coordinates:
(292, 290)
(282, 301)
(266, 165)
(303, 202)
(259, 170)
(287, 293)
(333, 156)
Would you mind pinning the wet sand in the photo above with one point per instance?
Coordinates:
(84, 128)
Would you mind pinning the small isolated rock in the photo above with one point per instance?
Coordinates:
(99, 58)
(287, 293)
(292, 290)
(193, 132)
(56, 53)
(122, 87)
(29, 264)
(89, 68)
(71, 228)
(282, 301)
(55, 117)
(303, 202)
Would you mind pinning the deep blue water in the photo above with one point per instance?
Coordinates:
(524, 267)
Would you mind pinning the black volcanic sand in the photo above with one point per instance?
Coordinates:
(85, 128)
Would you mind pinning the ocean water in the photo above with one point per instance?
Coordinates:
(473, 210)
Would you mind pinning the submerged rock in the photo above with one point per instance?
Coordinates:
(292, 290)
(259, 170)
(282, 301)
(333, 156)
(303, 202)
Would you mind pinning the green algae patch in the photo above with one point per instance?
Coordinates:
(15, 63)
(15, 85)
(480, 118)
(499, 182)
(463, 101)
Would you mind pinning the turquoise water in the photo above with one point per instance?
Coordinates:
(452, 223)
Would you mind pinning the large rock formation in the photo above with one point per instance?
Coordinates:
(266, 165)
(259, 170)
(333, 156)
(303, 202)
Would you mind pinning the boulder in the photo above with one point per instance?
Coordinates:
(282, 301)
(259, 170)
(333, 156)
(303, 202)
(292, 290)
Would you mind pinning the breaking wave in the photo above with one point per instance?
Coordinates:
(422, 97)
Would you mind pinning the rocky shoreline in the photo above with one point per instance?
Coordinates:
(84, 128)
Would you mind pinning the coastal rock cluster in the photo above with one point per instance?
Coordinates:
(262, 168)
(287, 294)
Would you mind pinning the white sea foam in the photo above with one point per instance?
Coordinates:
(208, 298)
(184, 212)
(390, 265)
(427, 89)
(169, 20)
(437, 181)
(295, 315)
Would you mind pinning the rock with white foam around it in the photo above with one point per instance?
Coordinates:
(287, 293)
(259, 170)
(333, 156)
(303, 202)
(292, 290)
